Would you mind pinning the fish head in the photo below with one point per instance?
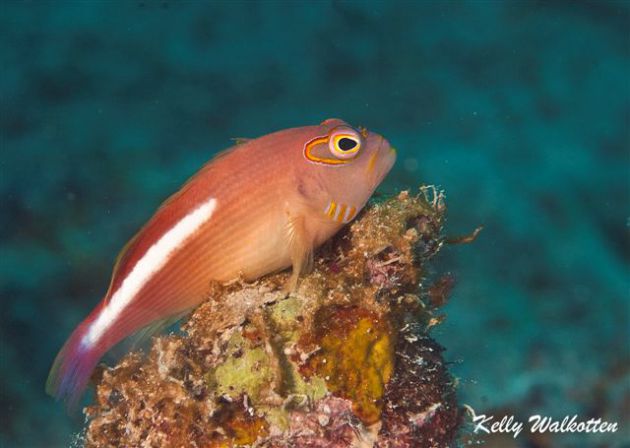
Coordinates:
(349, 165)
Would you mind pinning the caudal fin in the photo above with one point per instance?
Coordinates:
(73, 366)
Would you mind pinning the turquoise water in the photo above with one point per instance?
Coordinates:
(519, 110)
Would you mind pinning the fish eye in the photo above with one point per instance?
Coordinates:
(344, 143)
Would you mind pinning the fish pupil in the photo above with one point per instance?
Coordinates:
(346, 144)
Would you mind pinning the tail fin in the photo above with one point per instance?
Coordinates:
(70, 373)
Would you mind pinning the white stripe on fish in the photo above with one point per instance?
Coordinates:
(151, 262)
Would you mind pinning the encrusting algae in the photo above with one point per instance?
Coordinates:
(354, 355)
(344, 361)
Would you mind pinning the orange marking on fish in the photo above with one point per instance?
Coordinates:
(331, 210)
(350, 214)
(371, 163)
(341, 213)
(308, 153)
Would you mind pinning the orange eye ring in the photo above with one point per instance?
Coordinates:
(344, 143)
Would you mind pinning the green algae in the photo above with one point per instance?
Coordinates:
(246, 370)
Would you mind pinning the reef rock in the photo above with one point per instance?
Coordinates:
(344, 361)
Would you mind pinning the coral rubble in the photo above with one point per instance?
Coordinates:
(343, 361)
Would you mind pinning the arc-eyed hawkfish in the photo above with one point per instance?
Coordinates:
(260, 207)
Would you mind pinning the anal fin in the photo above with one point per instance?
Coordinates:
(141, 338)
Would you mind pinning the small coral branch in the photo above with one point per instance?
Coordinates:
(344, 361)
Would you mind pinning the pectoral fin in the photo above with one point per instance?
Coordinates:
(300, 250)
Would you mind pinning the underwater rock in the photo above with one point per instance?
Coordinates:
(344, 361)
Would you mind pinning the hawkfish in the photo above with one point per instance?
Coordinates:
(259, 207)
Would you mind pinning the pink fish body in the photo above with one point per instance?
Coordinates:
(260, 207)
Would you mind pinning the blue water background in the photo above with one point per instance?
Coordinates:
(519, 110)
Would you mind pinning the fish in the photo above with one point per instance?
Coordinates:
(260, 207)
